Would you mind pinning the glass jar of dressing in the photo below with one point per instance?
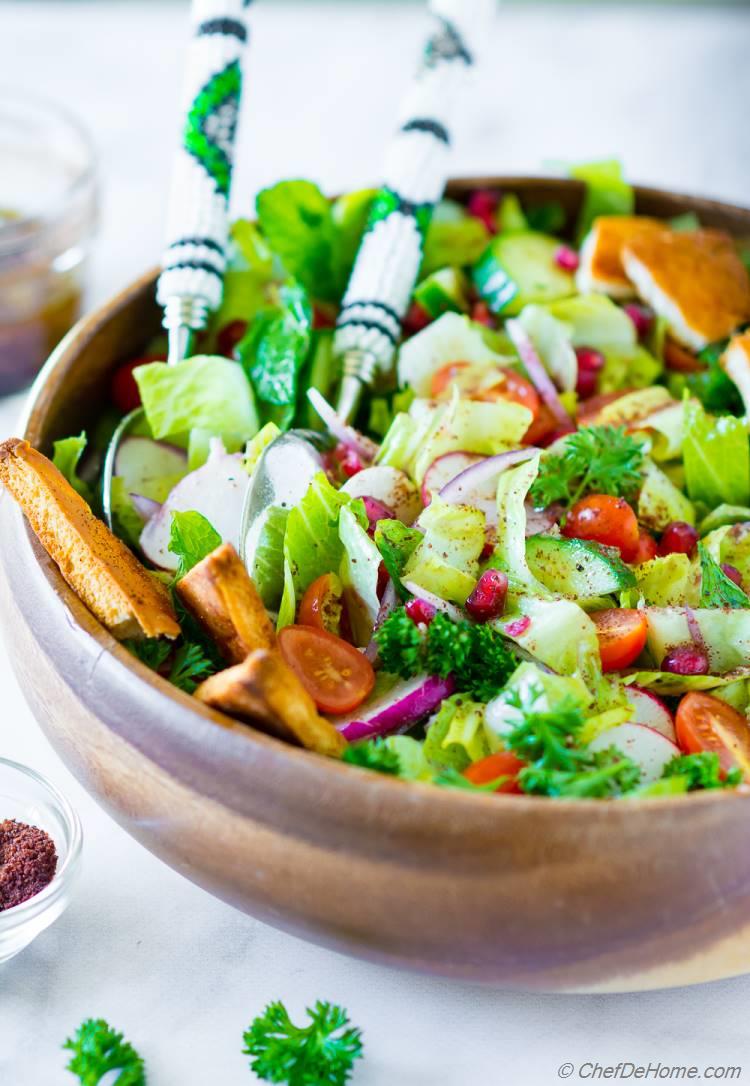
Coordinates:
(47, 219)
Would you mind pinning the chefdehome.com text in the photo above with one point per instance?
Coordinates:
(649, 1072)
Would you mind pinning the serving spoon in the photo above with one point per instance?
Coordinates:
(190, 285)
(390, 253)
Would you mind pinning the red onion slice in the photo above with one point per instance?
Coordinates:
(339, 429)
(406, 704)
(145, 507)
(471, 481)
(535, 368)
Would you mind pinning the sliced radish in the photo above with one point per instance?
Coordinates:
(444, 470)
(144, 465)
(651, 711)
(216, 490)
(336, 426)
(403, 705)
(648, 748)
(391, 487)
(535, 368)
(145, 507)
(541, 521)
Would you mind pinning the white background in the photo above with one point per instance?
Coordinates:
(667, 89)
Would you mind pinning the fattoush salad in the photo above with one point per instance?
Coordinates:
(524, 569)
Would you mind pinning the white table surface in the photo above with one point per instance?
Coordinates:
(179, 972)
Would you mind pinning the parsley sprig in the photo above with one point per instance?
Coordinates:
(702, 771)
(98, 1049)
(595, 459)
(476, 656)
(319, 1054)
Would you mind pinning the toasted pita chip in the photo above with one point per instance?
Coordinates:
(221, 595)
(99, 568)
(601, 269)
(695, 280)
(736, 363)
(265, 692)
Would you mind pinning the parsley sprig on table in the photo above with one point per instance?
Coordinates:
(319, 1054)
(98, 1049)
(476, 656)
(595, 459)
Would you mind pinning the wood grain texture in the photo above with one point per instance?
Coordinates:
(517, 891)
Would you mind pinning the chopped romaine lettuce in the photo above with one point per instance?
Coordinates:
(607, 192)
(360, 563)
(456, 736)
(252, 247)
(297, 223)
(321, 372)
(412, 764)
(312, 545)
(724, 515)
(561, 636)
(450, 338)
(255, 447)
(552, 339)
(667, 581)
(127, 522)
(267, 569)
(350, 213)
(192, 538)
(716, 457)
(66, 457)
(205, 393)
(660, 502)
(637, 370)
(274, 351)
(725, 634)
(595, 321)
(669, 685)
(510, 551)
(510, 216)
(446, 561)
(396, 544)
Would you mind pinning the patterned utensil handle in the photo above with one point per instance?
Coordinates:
(387, 264)
(191, 282)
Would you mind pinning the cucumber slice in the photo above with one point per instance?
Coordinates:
(443, 292)
(575, 568)
(520, 268)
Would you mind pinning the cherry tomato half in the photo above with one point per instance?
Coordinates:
(647, 549)
(542, 428)
(123, 390)
(622, 636)
(494, 766)
(607, 520)
(337, 677)
(444, 377)
(321, 604)
(706, 723)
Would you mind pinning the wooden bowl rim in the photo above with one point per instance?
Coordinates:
(327, 769)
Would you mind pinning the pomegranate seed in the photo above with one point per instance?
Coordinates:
(732, 573)
(518, 626)
(590, 362)
(678, 538)
(376, 511)
(550, 439)
(483, 205)
(383, 579)
(488, 598)
(420, 612)
(229, 336)
(480, 312)
(567, 258)
(416, 319)
(686, 660)
(642, 318)
(348, 460)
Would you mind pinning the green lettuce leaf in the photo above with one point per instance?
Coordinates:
(446, 561)
(360, 563)
(267, 570)
(274, 351)
(716, 456)
(258, 444)
(667, 581)
(66, 457)
(203, 393)
(595, 321)
(297, 222)
(509, 555)
(607, 192)
(562, 636)
(396, 544)
(458, 243)
(718, 590)
(413, 766)
(350, 213)
(127, 523)
(192, 538)
(660, 502)
(312, 545)
(450, 338)
(456, 736)
(725, 634)
(668, 685)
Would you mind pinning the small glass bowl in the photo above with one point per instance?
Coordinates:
(26, 796)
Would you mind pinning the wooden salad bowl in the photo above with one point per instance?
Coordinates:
(518, 891)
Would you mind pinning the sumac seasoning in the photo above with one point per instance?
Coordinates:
(28, 861)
